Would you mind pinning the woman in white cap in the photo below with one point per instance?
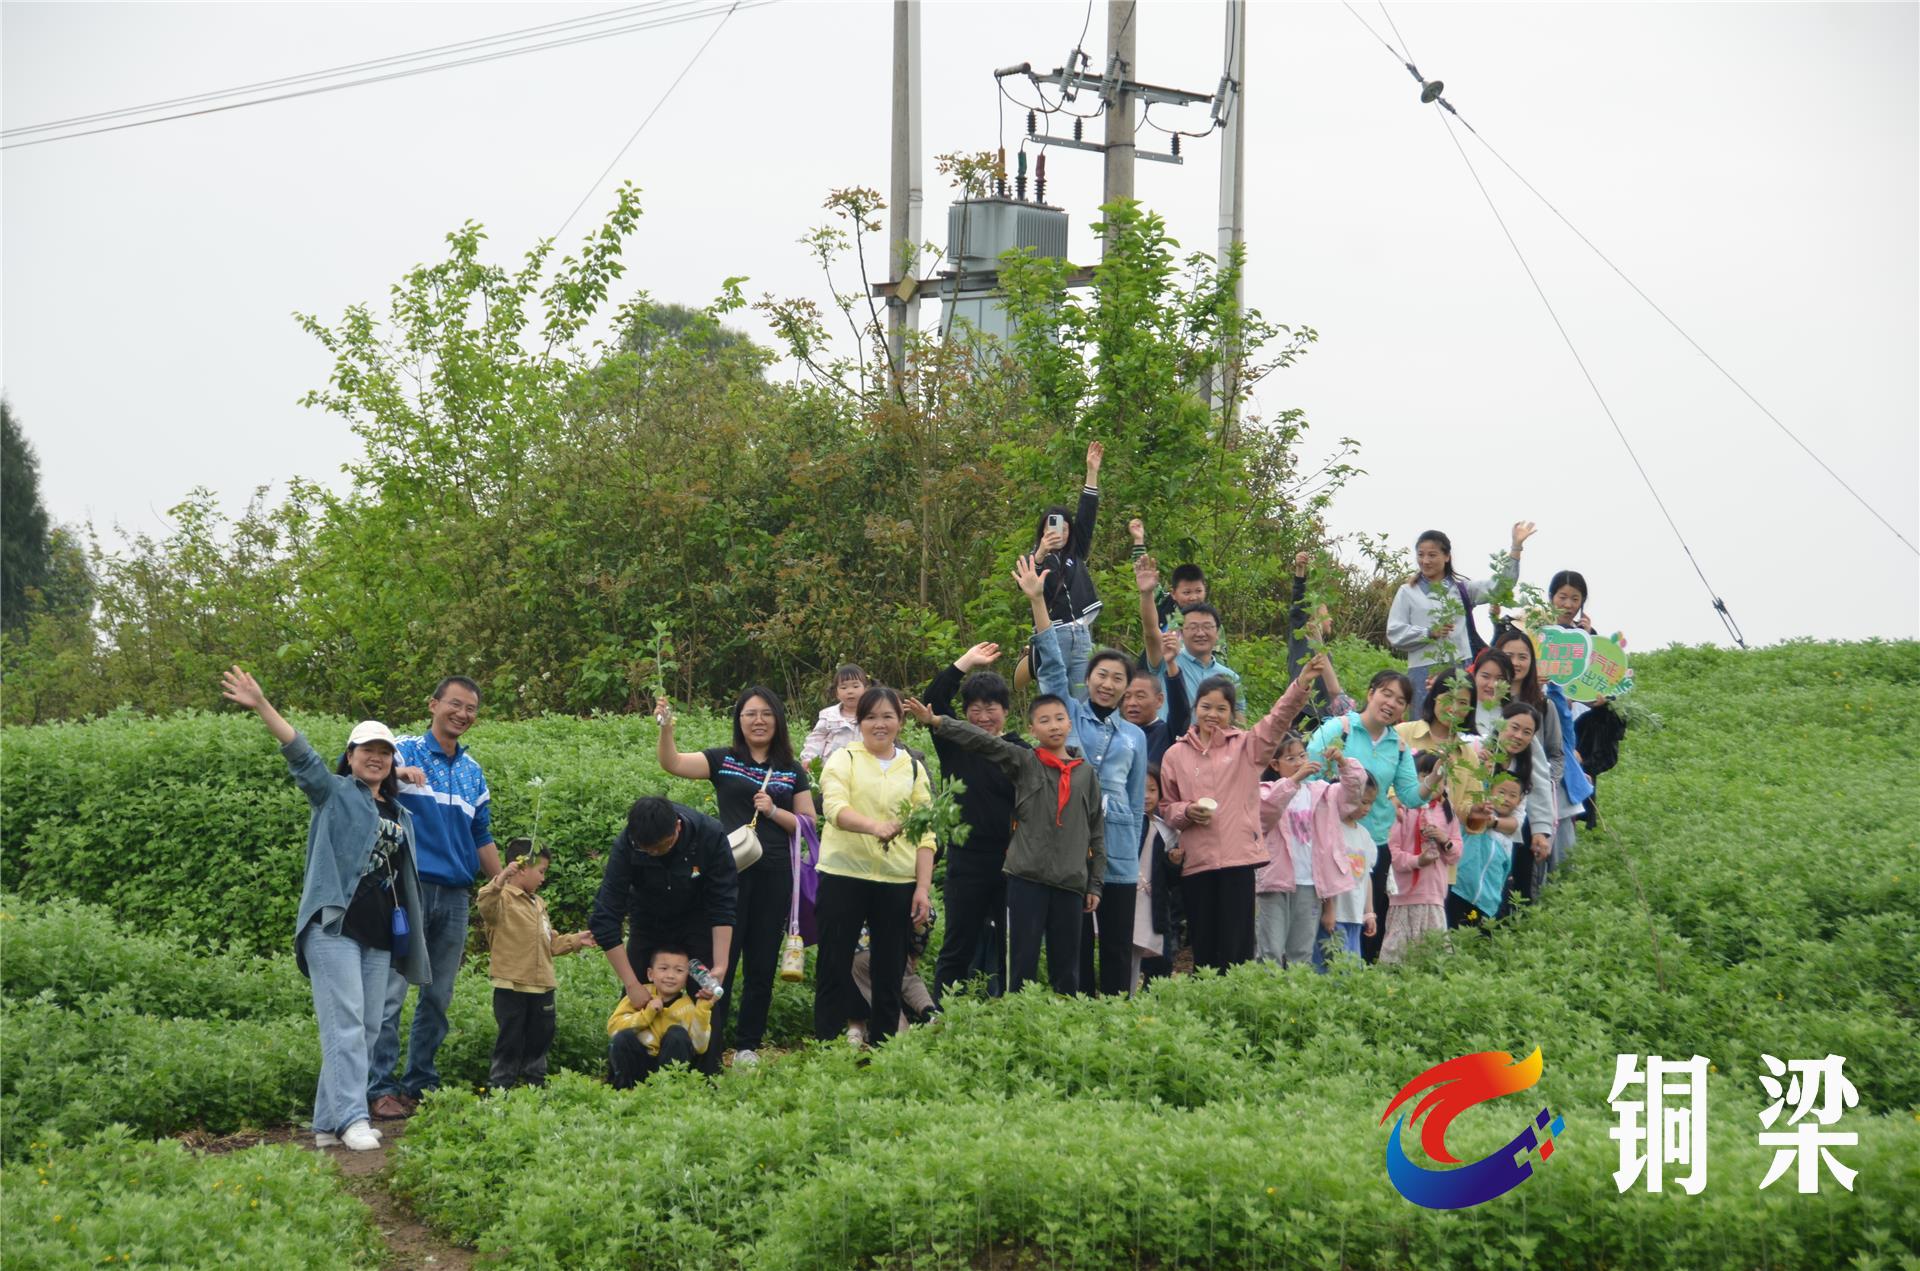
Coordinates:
(355, 906)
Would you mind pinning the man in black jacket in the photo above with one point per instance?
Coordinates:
(976, 891)
(669, 879)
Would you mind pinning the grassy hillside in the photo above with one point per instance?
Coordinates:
(1755, 891)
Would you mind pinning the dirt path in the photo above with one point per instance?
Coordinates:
(412, 1245)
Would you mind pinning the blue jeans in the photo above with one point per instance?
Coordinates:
(349, 987)
(1346, 935)
(444, 927)
(1076, 646)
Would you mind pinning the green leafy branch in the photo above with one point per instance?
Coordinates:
(941, 816)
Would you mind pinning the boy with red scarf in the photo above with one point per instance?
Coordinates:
(1057, 860)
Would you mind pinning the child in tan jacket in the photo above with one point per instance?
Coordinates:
(521, 967)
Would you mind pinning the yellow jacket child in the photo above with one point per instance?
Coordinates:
(654, 1019)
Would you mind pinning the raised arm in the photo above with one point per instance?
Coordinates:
(1146, 580)
(1510, 568)
(1179, 705)
(1032, 580)
(309, 770)
(1269, 731)
(239, 687)
(1297, 616)
(694, 767)
(947, 681)
(1083, 520)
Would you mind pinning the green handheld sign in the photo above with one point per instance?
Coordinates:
(1586, 666)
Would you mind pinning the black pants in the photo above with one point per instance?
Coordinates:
(628, 1062)
(843, 906)
(1520, 877)
(1037, 912)
(976, 902)
(1463, 913)
(760, 924)
(698, 941)
(1115, 975)
(1220, 915)
(1370, 944)
(524, 1024)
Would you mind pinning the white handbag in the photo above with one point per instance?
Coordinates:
(745, 841)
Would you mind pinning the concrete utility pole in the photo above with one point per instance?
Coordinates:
(1230, 108)
(1115, 86)
(904, 197)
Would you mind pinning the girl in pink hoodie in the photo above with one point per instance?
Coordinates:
(1424, 842)
(1210, 791)
(1307, 863)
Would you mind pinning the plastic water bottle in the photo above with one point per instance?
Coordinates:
(705, 978)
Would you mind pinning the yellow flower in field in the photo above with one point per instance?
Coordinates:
(1713, 1067)
(254, 1203)
(56, 1217)
(1270, 1191)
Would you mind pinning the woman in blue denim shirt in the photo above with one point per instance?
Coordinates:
(360, 871)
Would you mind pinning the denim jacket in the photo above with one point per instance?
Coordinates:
(340, 840)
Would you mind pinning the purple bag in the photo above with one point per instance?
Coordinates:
(806, 881)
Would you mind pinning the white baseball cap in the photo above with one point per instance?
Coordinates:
(369, 730)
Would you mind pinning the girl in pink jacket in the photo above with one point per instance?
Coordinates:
(1307, 862)
(1210, 792)
(1424, 842)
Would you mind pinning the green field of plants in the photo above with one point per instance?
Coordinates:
(1755, 890)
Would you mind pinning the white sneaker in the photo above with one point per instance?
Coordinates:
(361, 1137)
(856, 1037)
(323, 1139)
(745, 1057)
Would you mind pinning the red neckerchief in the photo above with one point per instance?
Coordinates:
(1065, 768)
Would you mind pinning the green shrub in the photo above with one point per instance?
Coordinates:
(114, 1201)
(192, 823)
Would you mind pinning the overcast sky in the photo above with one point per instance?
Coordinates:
(1752, 167)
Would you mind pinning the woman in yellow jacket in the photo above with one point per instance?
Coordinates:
(868, 876)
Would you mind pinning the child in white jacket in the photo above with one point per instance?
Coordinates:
(836, 726)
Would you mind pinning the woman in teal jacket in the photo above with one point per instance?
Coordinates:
(360, 889)
(1368, 735)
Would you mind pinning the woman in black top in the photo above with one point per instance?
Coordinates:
(756, 776)
(1060, 546)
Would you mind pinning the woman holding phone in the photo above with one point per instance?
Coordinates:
(1060, 549)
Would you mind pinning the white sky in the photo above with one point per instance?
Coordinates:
(1753, 167)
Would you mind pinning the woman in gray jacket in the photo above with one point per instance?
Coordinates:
(360, 891)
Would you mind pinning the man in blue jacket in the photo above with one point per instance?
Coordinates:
(444, 789)
(1117, 750)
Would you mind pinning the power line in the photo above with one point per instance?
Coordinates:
(1668, 318)
(286, 81)
(1711, 360)
(651, 24)
(1719, 605)
(649, 119)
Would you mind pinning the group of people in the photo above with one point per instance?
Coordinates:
(1140, 815)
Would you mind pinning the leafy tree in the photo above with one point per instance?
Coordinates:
(571, 520)
(25, 550)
